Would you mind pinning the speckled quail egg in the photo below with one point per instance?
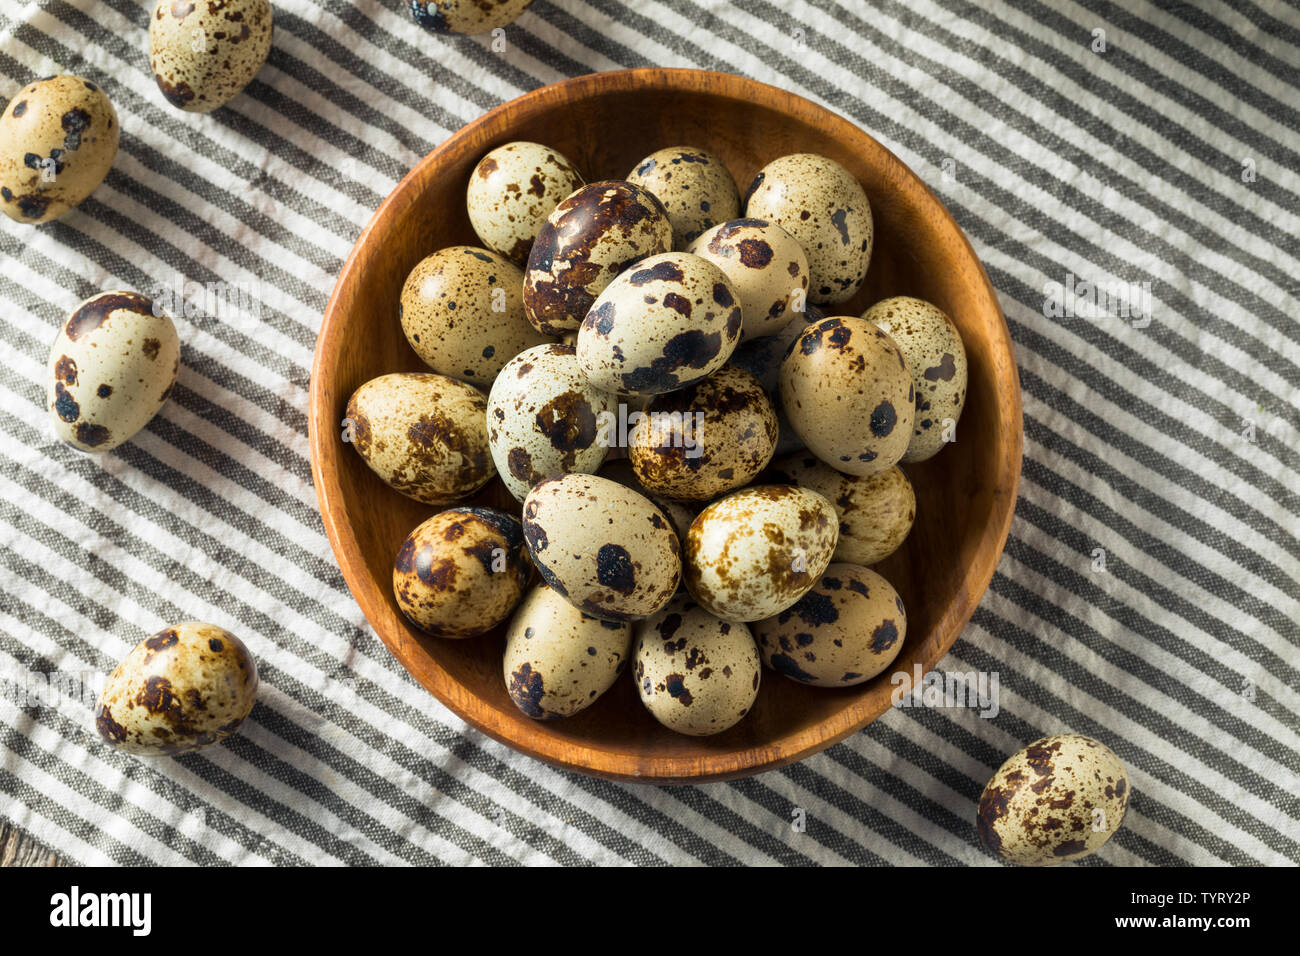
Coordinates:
(545, 419)
(936, 357)
(463, 314)
(876, 512)
(672, 320)
(180, 690)
(461, 572)
(466, 16)
(1059, 799)
(58, 139)
(424, 434)
(204, 52)
(696, 674)
(680, 514)
(587, 240)
(111, 368)
(608, 550)
(766, 265)
(818, 201)
(511, 192)
(694, 186)
(558, 660)
(847, 391)
(755, 552)
(706, 439)
(844, 631)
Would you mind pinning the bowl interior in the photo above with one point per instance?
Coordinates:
(605, 123)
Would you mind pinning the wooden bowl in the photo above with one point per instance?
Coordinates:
(605, 123)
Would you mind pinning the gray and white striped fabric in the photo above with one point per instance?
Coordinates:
(1148, 596)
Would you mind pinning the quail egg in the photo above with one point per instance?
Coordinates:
(588, 239)
(611, 552)
(204, 53)
(558, 660)
(848, 393)
(180, 690)
(936, 357)
(876, 512)
(818, 201)
(58, 139)
(112, 367)
(766, 265)
(694, 186)
(844, 631)
(461, 572)
(511, 192)
(757, 551)
(466, 16)
(545, 419)
(1059, 799)
(696, 674)
(424, 434)
(463, 314)
(706, 439)
(668, 322)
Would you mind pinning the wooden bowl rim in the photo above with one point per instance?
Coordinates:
(568, 754)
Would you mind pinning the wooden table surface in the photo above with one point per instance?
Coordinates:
(18, 849)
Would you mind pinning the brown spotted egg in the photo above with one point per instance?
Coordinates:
(424, 434)
(1059, 799)
(511, 192)
(545, 419)
(694, 186)
(180, 690)
(844, 631)
(670, 321)
(933, 348)
(463, 314)
(204, 52)
(848, 393)
(757, 551)
(466, 16)
(766, 265)
(588, 239)
(58, 139)
(558, 660)
(460, 573)
(696, 674)
(818, 201)
(876, 512)
(706, 439)
(608, 550)
(112, 367)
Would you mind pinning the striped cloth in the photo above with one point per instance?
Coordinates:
(1148, 595)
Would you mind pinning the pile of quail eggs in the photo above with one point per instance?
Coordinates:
(704, 450)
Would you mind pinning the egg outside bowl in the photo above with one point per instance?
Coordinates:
(605, 123)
